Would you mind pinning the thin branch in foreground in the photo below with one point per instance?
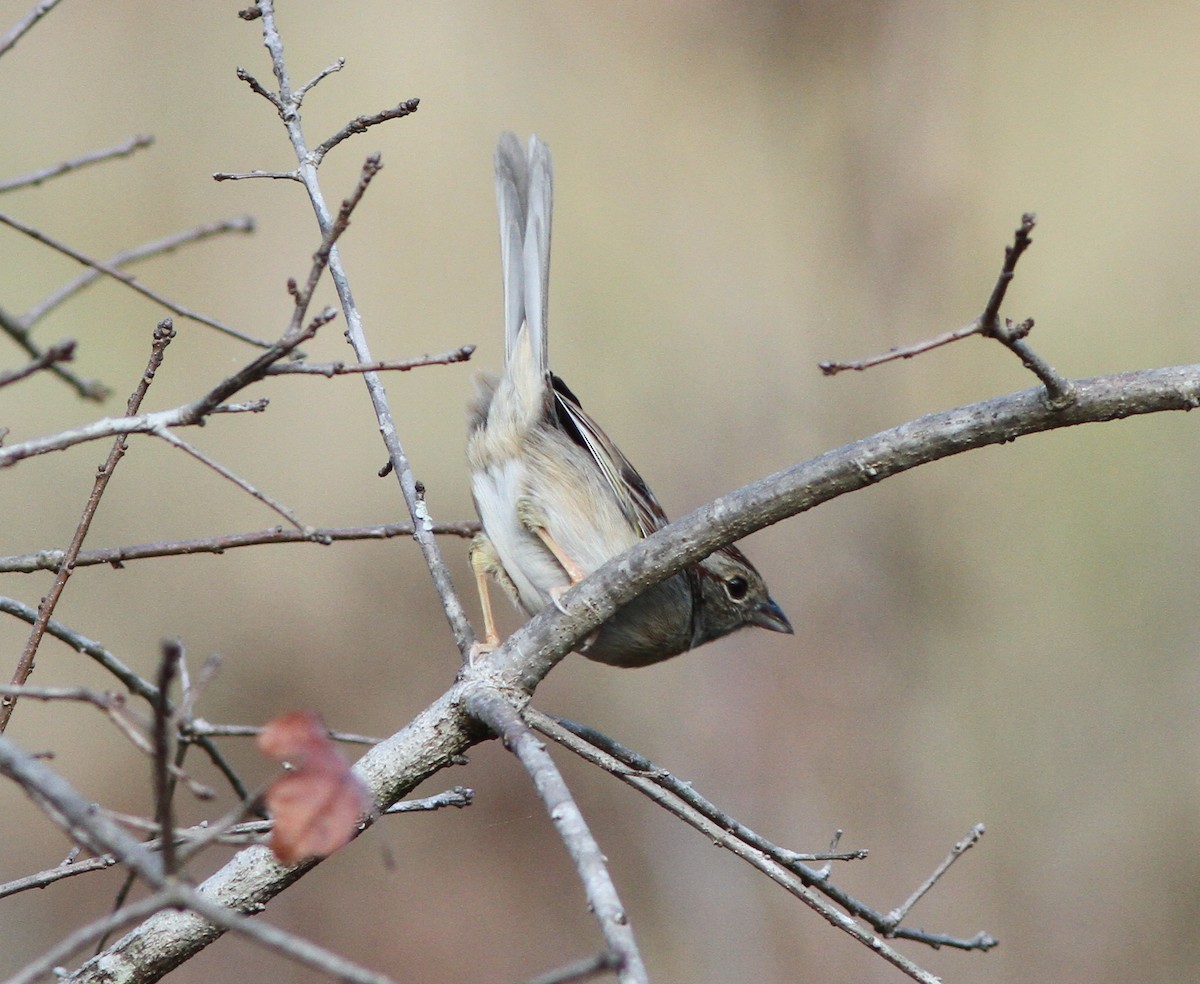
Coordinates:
(130, 146)
(103, 835)
(359, 124)
(163, 334)
(329, 369)
(62, 352)
(166, 244)
(164, 789)
(129, 281)
(23, 26)
(490, 708)
(86, 935)
(581, 970)
(15, 328)
(900, 913)
(228, 473)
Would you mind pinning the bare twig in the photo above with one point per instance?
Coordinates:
(329, 369)
(580, 970)
(68, 869)
(89, 647)
(104, 835)
(166, 244)
(85, 935)
(130, 146)
(244, 175)
(459, 797)
(359, 124)
(162, 337)
(900, 913)
(988, 324)
(164, 789)
(228, 473)
(199, 728)
(50, 560)
(62, 352)
(491, 708)
(16, 329)
(22, 27)
(129, 281)
(629, 766)
(327, 71)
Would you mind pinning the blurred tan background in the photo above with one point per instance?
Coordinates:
(743, 191)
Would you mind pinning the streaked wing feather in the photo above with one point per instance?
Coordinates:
(636, 500)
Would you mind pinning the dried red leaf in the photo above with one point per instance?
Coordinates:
(318, 802)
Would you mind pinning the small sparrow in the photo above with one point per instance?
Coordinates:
(555, 496)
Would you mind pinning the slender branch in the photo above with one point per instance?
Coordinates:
(16, 329)
(22, 27)
(227, 473)
(580, 970)
(329, 369)
(50, 560)
(104, 835)
(62, 352)
(900, 913)
(130, 146)
(48, 877)
(359, 124)
(129, 281)
(89, 647)
(161, 339)
(85, 935)
(327, 71)
(638, 771)
(164, 789)
(166, 244)
(244, 175)
(989, 325)
(494, 710)
(189, 414)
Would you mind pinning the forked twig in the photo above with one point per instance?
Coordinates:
(1059, 393)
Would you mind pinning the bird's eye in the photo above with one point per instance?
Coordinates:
(736, 587)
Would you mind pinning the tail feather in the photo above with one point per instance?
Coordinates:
(525, 202)
(512, 188)
(540, 206)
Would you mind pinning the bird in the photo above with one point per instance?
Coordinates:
(556, 498)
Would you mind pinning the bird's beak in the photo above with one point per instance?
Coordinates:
(770, 616)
